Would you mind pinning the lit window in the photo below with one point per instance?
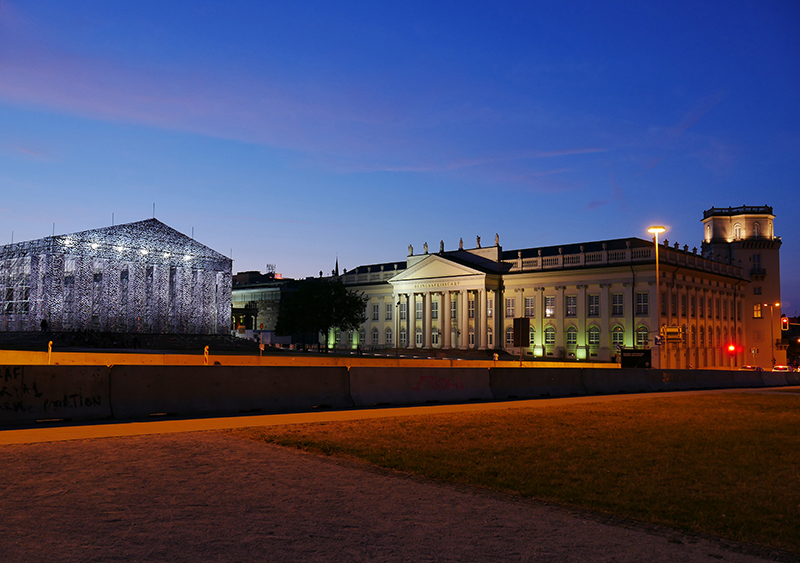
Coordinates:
(642, 337)
(489, 308)
(572, 336)
(594, 304)
(618, 336)
(549, 336)
(757, 311)
(510, 308)
(471, 306)
(530, 307)
(642, 304)
(418, 310)
(434, 309)
(549, 307)
(617, 309)
(594, 335)
(572, 305)
(510, 336)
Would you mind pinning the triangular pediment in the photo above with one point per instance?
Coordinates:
(435, 267)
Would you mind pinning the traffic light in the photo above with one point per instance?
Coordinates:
(784, 323)
(731, 349)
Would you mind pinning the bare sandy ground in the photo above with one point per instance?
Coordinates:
(210, 496)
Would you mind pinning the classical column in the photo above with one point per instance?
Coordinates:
(427, 322)
(410, 313)
(463, 321)
(445, 320)
(480, 320)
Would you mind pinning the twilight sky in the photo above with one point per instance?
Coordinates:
(291, 133)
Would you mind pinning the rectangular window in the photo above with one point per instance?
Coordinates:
(376, 312)
(471, 307)
(389, 307)
(716, 306)
(709, 307)
(418, 310)
(693, 306)
(683, 305)
(434, 310)
(663, 304)
(549, 307)
(594, 304)
(572, 305)
(530, 307)
(403, 312)
(453, 310)
(725, 309)
(757, 311)
(510, 303)
(757, 290)
(489, 308)
(572, 337)
(617, 309)
(701, 306)
(642, 304)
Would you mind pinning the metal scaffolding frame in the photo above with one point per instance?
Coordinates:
(137, 277)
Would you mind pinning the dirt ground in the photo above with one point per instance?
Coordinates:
(211, 496)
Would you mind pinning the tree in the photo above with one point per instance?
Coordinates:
(316, 306)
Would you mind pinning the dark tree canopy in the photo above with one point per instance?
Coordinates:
(317, 305)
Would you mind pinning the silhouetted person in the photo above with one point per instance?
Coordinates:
(44, 325)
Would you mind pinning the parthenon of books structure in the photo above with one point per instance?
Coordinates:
(137, 277)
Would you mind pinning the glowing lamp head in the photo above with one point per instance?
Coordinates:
(657, 230)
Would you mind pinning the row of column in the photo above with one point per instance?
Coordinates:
(454, 333)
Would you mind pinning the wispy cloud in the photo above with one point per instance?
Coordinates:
(595, 204)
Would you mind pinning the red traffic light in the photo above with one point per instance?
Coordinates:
(733, 349)
(784, 323)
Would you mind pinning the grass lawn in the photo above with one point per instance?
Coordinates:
(726, 464)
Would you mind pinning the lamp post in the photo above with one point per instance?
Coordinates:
(655, 230)
(772, 330)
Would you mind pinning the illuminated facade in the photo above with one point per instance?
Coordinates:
(583, 301)
(138, 277)
(746, 235)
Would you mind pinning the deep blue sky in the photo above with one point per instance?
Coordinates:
(293, 132)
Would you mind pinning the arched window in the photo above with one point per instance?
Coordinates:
(337, 336)
(737, 231)
(532, 334)
(389, 335)
(642, 336)
(549, 336)
(594, 335)
(618, 336)
(362, 336)
(418, 333)
(708, 233)
(694, 335)
(435, 337)
(403, 337)
(510, 336)
(702, 337)
(572, 337)
(376, 339)
(756, 229)
(471, 336)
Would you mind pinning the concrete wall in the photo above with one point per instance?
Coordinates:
(34, 393)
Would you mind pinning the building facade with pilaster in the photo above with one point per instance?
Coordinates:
(584, 301)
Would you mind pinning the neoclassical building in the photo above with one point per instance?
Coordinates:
(584, 301)
(136, 277)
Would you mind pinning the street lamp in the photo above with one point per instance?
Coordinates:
(656, 230)
(772, 330)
